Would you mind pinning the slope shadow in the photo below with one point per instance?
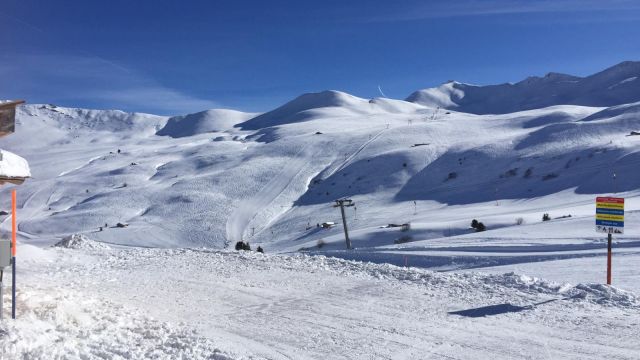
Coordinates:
(555, 248)
(360, 177)
(446, 263)
(497, 309)
(472, 176)
(490, 310)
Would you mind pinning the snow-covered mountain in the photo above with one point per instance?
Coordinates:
(617, 85)
(130, 200)
(218, 176)
(215, 120)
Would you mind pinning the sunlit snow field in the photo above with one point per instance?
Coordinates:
(168, 284)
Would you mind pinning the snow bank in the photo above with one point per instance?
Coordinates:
(79, 241)
(462, 283)
(62, 324)
(594, 293)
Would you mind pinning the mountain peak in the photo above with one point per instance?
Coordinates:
(291, 111)
(613, 86)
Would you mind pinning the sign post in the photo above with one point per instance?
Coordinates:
(609, 220)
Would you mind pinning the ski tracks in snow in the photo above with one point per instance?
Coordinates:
(355, 153)
(249, 208)
(301, 307)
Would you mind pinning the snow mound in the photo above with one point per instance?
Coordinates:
(79, 241)
(203, 122)
(604, 295)
(593, 293)
(290, 112)
(465, 283)
(67, 325)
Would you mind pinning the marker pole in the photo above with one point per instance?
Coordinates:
(13, 252)
(609, 260)
(1, 294)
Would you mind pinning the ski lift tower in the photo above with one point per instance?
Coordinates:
(14, 170)
(342, 203)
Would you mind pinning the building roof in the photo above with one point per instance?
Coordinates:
(8, 104)
(13, 168)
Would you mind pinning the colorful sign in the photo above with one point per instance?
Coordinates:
(610, 215)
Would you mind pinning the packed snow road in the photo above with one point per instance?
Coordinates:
(117, 303)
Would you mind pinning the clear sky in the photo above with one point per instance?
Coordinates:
(174, 57)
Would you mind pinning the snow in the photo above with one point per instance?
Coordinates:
(215, 120)
(78, 241)
(67, 325)
(444, 96)
(190, 186)
(251, 305)
(610, 87)
(13, 166)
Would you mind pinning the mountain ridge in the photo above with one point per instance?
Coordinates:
(613, 86)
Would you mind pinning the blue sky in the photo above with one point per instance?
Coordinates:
(174, 57)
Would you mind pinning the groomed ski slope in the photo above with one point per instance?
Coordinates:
(94, 302)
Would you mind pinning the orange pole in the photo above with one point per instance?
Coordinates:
(13, 252)
(13, 223)
(609, 260)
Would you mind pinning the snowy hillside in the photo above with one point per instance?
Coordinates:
(215, 177)
(617, 85)
(133, 194)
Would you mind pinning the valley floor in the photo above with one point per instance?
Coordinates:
(128, 303)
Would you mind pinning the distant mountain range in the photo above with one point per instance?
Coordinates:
(217, 176)
(616, 85)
